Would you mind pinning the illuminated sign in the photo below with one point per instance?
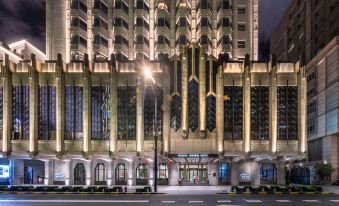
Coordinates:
(59, 176)
(245, 176)
(4, 171)
(192, 155)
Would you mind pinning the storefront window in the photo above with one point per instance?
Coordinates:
(163, 171)
(142, 174)
(79, 174)
(100, 172)
(268, 174)
(224, 174)
(121, 174)
(73, 114)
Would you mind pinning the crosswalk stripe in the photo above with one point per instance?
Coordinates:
(311, 200)
(223, 201)
(253, 200)
(283, 200)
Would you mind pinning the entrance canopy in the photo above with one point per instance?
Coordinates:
(193, 158)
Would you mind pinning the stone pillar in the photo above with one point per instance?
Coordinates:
(184, 94)
(247, 105)
(173, 24)
(48, 179)
(90, 35)
(131, 30)
(7, 106)
(213, 169)
(140, 116)
(173, 176)
(131, 173)
(280, 173)
(234, 174)
(302, 103)
(193, 20)
(86, 101)
(60, 106)
(273, 102)
(113, 108)
(33, 77)
(202, 94)
(220, 110)
(166, 113)
(151, 29)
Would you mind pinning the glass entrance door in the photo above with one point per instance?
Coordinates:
(194, 173)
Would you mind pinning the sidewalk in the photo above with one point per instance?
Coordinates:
(332, 189)
(188, 190)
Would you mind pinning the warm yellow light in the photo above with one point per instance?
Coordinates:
(148, 73)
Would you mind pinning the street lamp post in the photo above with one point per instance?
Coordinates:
(148, 75)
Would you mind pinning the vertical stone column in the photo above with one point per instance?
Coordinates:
(184, 94)
(302, 103)
(131, 30)
(113, 108)
(247, 105)
(172, 27)
(48, 172)
(220, 110)
(273, 101)
(33, 77)
(214, 27)
(234, 174)
(7, 106)
(90, 28)
(202, 94)
(280, 173)
(151, 29)
(166, 115)
(86, 110)
(140, 116)
(194, 20)
(60, 106)
(68, 31)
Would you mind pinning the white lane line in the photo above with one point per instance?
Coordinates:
(167, 201)
(311, 200)
(283, 200)
(195, 201)
(334, 200)
(252, 201)
(223, 201)
(80, 201)
(228, 205)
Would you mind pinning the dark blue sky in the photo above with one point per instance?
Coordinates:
(25, 19)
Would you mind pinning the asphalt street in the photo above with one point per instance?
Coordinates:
(164, 200)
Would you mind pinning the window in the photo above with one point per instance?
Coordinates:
(204, 22)
(47, 112)
(241, 9)
(311, 107)
(100, 173)
(233, 107)
(1, 108)
(182, 39)
(162, 171)
(241, 27)
(224, 4)
(20, 112)
(268, 174)
(142, 22)
(126, 112)
(78, 4)
(142, 5)
(100, 112)
(311, 77)
(241, 44)
(98, 4)
(98, 39)
(121, 40)
(79, 174)
(182, 22)
(226, 39)
(142, 40)
(121, 174)
(73, 113)
(163, 22)
(99, 22)
(142, 174)
(224, 174)
(204, 4)
(77, 22)
(224, 22)
(121, 22)
(204, 40)
(259, 113)
(310, 126)
(121, 5)
(76, 39)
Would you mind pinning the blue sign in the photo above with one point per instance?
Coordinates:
(245, 176)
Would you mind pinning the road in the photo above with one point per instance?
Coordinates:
(165, 200)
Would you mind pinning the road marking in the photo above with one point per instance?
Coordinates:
(252, 201)
(80, 201)
(167, 201)
(223, 201)
(228, 205)
(195, 201)
(283, 200)
(311, 200)
(334, 200)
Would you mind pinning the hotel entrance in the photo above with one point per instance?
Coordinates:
(191, 174)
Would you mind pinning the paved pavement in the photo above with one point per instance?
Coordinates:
(165, 200)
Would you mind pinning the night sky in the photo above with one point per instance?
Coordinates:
(25, 19)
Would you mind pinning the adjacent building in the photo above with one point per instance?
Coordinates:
(309, 33)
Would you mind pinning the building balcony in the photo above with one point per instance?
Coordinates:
(73, 147)
(142, 48)
(100, 48)
(141, 13)
(122, 48)
(20, 147)
(79, 12)
(126, 146)
(163, 30)
(233, 147)
(46, 147)
(100, 30)
(120, 13)
(78, 47)
(98, 12)
(78, 30)
(287, 147)
(99, 147)
(258, 146)
(120, 30)
(140, 30)
(163, 48)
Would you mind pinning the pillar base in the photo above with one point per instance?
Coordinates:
(59, 155)
(184, 134)
(32, 155)
(86, 156)
(112, 155)
(203, 134)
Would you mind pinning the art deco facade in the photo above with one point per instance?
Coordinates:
(149, 27)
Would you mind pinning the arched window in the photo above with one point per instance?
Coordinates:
(142, 174)
(121, 174)
(79, 174)
(100, 173)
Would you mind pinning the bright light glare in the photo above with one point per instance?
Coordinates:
(148, 73)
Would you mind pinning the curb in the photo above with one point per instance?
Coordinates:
(275, 193)
(84, 193)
